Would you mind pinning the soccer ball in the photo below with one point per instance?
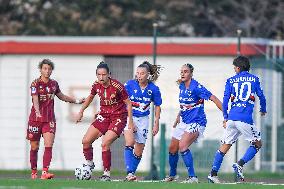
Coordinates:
(83, 172)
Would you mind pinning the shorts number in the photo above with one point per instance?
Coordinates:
(145, 132)
(240, 91)
(117, 121)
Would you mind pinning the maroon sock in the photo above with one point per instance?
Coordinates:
(106, 155)
(88, 153)
(33, 159)
(47, 157)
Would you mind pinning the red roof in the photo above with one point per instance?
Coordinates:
(128, 47)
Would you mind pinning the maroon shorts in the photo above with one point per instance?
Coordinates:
(36, 129)
(115, 123)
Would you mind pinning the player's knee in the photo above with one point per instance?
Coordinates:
(86, 142)
(35, 148)
(183, 147)
(257, 144)
(105, 146)
(173, 149)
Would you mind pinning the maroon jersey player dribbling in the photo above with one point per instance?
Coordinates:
(115, 107)
(42, 119)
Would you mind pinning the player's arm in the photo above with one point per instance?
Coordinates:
(226, 98)
(218, 103)
(261, 97)
(69, 99)
(177, 121)
(129, 112)
(86, 103)
(36, 105)
(157, 118)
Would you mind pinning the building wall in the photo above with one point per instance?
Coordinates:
(75, 75)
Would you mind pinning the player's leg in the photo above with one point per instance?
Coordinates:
(128, 150)
(140, 136)
(33, 135)
(90, 136)
(47, 155)
(173, 151)
(173, 160)
(250, 133)
(109, 137)
(230, 136)
(33, 158)
(186, 140)
(115, 128)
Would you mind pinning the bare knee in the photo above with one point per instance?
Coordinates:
(34, 146)
(105, 146)
(257, 144)
(86, 142)
(173, 148)
(183, 147)
(225, 148)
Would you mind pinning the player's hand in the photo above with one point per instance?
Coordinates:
(262, 113)
(96, 115)
(131, 126)
(38, 114)
(176, 122)
(224, 123)
(155, 130)
(79, 117)
(81, 101)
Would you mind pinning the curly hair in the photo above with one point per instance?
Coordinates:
(46, 61)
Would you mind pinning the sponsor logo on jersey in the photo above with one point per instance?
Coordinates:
(33, 90)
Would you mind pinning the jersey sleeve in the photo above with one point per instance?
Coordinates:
(94, 89)
(124, 94)
(261, 96)
(227, 95)
(203, 92)
(156, 98)
(127, 87)
(57, 88)
(34, 88)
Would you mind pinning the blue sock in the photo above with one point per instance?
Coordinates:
(250, 153)
(135, 163)
(173, 160)
(188, 161)
(217, 162)
(128, 158)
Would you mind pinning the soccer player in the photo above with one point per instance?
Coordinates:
(42, 119)
(241, 89)
(142, 91)
(190, 122)
(110, 121)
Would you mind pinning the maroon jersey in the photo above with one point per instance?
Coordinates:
(111, 98)
(45, 93)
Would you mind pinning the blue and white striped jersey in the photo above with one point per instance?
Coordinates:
(192, 102)
(141, 99)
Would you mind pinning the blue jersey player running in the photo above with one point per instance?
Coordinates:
(241, 89)
(142, 91)
(190, 123)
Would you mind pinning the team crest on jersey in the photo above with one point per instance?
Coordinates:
(112, 96)
(149, 92)
(33, 90)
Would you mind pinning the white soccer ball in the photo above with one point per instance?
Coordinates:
(83, 172)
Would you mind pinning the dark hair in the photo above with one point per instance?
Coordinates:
(46, 61)
(191, 68)
(242, 62)
(102, 64)
(154, 70)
